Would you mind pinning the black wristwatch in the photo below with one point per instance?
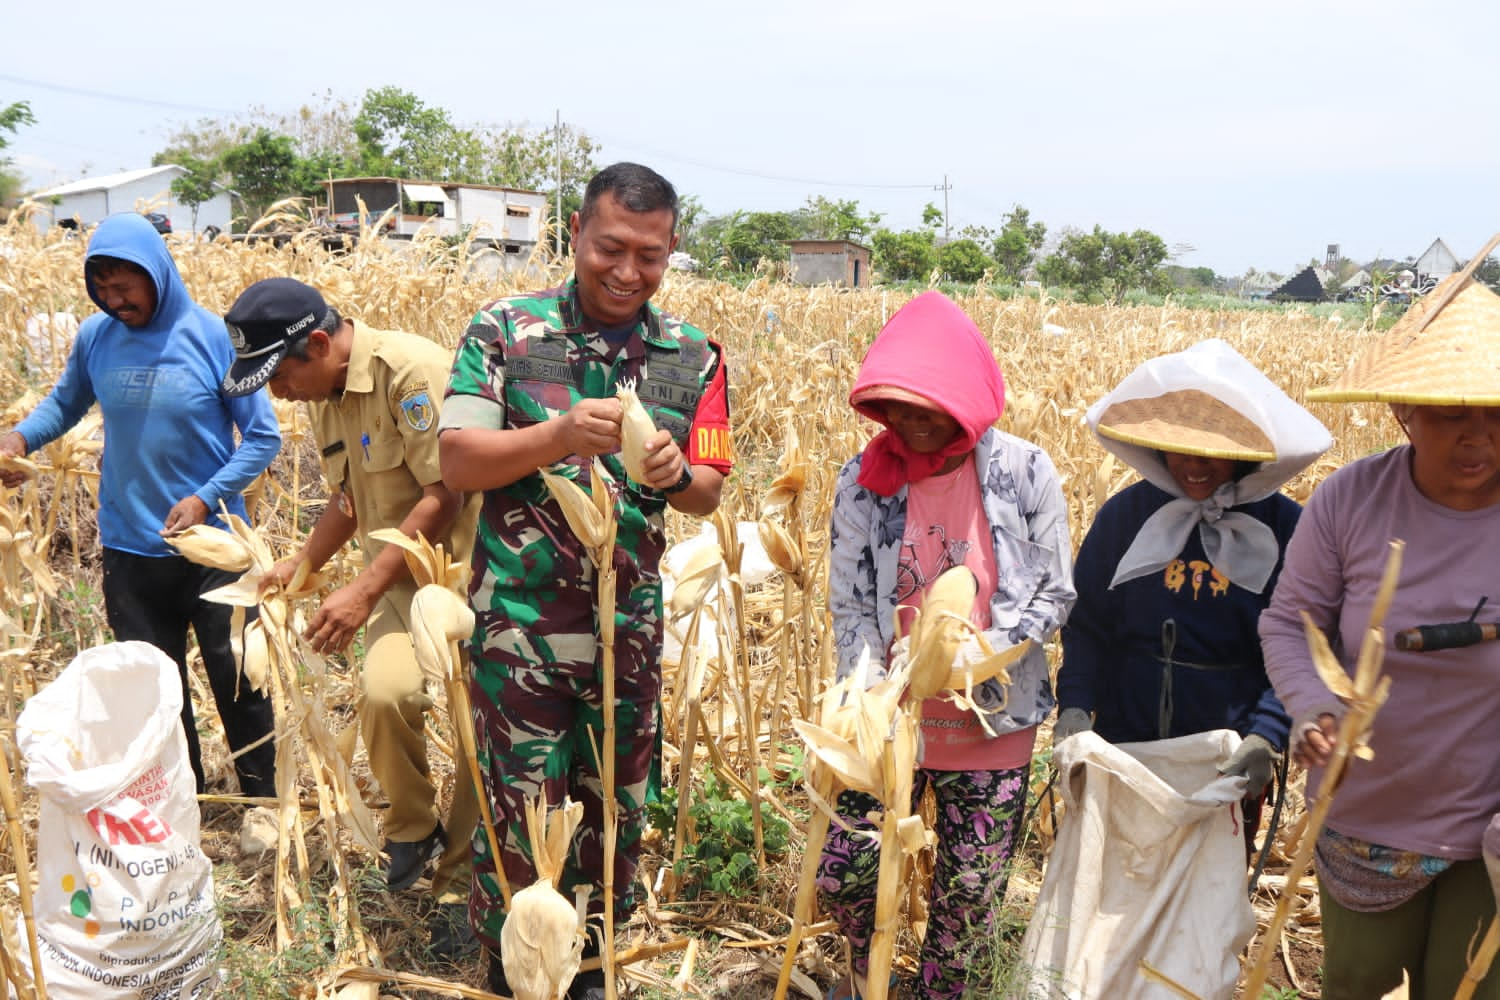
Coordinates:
(683, 483)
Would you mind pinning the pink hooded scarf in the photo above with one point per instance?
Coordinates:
(933, 350)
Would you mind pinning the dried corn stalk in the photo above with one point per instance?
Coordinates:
(1363, 695)
(592, 518)
(441, 619)
(291, 663)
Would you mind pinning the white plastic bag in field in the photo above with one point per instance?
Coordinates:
(1149, 865)
(755, 569)
(125, 898)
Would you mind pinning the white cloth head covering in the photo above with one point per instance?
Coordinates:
(1242, 548)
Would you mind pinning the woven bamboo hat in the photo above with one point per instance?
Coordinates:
(1444, 352)
(1190, 422)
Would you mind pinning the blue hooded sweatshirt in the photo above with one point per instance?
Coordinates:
(168, 429)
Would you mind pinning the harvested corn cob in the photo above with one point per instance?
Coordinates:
(636, 429)
(541, 942)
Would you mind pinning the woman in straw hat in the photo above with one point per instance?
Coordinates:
(941, 487)
(1177, 568)
(1399, 863)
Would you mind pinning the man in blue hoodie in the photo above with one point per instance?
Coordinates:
(153, 360)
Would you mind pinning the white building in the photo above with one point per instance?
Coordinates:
(510, 219)
(1437, 261)
(90, 200)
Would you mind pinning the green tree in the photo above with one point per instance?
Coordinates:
(703, 236)
(12, 118)
(837, 220)
(1016, 246)
(1106, 263)
(963, 260)
(1488, 272)
(264, 171)
(759, 236)
(400, 135)
(906, 256)
(932, 216)
(1190, 277)
(198, 185)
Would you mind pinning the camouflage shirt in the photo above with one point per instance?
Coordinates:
(529, 358)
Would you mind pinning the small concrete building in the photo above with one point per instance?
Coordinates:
(510, 219)
(830, 262)
(90, 200)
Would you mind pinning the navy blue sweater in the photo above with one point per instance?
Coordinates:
(1117, 643)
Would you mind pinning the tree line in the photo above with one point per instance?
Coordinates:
(264, 157)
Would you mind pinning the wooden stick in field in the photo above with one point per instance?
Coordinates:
(21, 859)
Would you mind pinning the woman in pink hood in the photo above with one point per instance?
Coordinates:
(941, 487)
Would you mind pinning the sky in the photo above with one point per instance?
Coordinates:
(1244, 134)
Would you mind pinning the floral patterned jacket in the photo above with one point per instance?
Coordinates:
(1028, 518)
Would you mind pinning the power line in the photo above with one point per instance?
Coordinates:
(118, 98)
(673, 157)
(944, 187)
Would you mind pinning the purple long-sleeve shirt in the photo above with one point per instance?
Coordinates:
(1435, 780)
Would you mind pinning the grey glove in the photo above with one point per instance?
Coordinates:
(1491, 844)
(1255, 759)
(1070, 721)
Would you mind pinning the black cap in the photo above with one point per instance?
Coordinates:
(264, 321)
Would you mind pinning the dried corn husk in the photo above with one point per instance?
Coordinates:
(428, 563)
(252, 651)
(438, 617)
(783, 552)
(541, 942)
(14, 463)
(788, 485)
(214, 547)
(590, 515)
(940, 626)
(697, 580)
(636, 430)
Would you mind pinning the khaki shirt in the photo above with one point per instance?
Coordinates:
(379, 439)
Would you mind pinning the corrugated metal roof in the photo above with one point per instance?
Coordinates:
(106, 181)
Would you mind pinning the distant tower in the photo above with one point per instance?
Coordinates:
(1331, 262)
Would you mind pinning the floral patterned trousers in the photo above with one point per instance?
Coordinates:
(978, 815)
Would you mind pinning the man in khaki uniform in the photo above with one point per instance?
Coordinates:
(374, 398)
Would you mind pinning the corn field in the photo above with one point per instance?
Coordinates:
(751, 666)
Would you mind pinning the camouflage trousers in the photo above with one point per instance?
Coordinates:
(537, 694)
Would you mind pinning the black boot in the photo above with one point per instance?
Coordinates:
(495, 976)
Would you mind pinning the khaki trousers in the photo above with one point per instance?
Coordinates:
(392, 720)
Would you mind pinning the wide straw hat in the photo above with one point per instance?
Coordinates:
(1190, 422)
(1444, 352)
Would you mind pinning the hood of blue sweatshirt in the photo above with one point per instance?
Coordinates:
(130, 236)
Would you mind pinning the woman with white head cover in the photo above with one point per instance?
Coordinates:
(1175, 571)
(1400, 876)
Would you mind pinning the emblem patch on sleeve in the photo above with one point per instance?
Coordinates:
(417, 407)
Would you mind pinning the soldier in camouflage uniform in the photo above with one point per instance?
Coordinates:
(533, 387)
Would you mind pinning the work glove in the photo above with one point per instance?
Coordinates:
(1255, 760)
(1070, 721)
(1492, 854)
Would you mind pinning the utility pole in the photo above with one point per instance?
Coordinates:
(945, 187)
(557, 144)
